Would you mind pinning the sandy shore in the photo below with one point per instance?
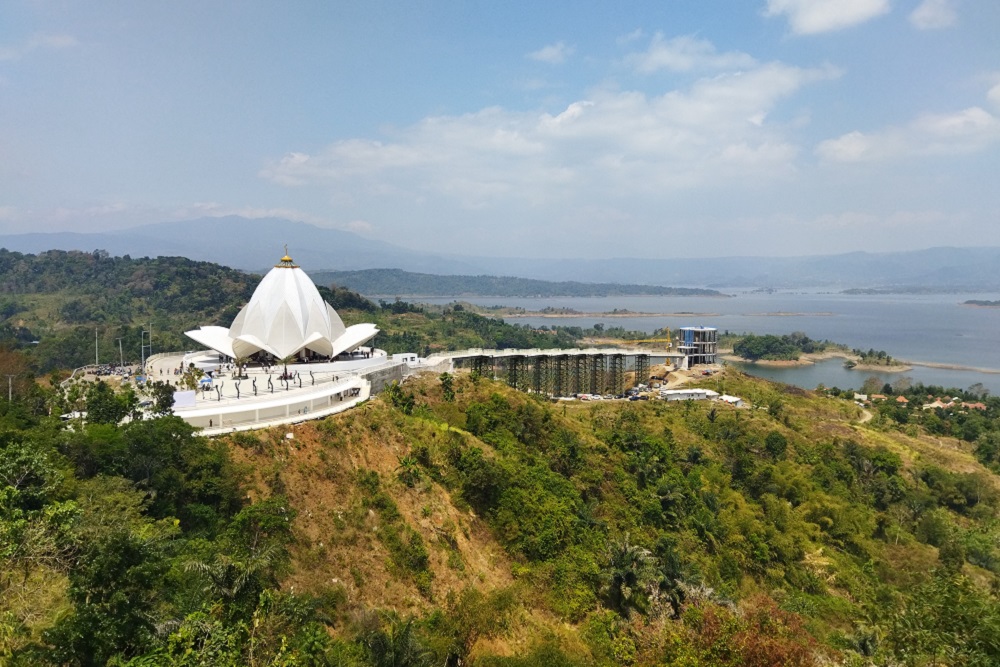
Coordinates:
(810, 359)
(902, 367)
(620, 313)
(557, 316)
(954, 367)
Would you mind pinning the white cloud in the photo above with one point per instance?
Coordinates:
(934, 14)
(685, 53)
(37, 42)
(553, 54)
(859, 220)
(966, 131)
(807, 17)
(360, 227)
(994, 95)
(609, 147)
(630, 37)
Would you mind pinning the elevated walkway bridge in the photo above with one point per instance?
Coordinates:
(264, 399)
(595, 370)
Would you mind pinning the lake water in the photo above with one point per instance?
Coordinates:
(928, 327)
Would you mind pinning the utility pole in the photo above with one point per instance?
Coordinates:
(121, 354)
(97, 360)
(10, 389)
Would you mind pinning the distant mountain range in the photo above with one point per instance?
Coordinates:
(256, 244)
(250, 244)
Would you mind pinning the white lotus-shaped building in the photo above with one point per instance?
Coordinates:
(286, 317)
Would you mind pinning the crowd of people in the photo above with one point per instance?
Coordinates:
(111, 370)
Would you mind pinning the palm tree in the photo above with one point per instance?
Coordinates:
(238, 582)
(396, 645)
(241, 363)
(285, 361)
(631, 572)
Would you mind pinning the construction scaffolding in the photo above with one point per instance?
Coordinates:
(541, 381)
(550, 374)
(641, 369)
(482, 365)
(562, 384)
(615, 374)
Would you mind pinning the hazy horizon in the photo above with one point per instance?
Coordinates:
(472, 254)
(775, 128)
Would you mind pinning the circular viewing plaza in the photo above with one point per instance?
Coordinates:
(263, 396)
(286, 357)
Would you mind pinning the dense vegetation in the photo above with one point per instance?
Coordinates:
(409, 328)
(788, 347)
(872, 357)
(53, 304)
(394, 282)
(453, 521)
(60, 299)
(457, 522)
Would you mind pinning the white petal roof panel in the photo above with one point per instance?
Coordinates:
(285, 315)
(215, 338)
(355, 336)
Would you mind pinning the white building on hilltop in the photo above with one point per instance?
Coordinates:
(286, 317)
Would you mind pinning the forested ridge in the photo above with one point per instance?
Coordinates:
(395, 282)
(122, 289)
(53, 303)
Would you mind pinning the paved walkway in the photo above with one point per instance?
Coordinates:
(262, 399)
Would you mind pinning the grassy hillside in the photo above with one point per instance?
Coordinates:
(632, 523)
(454, 521)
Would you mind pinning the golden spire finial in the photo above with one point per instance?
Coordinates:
(287, 261)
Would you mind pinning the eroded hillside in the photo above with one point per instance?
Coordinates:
(632, 532)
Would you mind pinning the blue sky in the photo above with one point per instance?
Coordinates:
(552, 129)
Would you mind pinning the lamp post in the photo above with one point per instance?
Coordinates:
(142, 351)
(143, 345)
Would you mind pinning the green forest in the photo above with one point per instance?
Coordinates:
(395, 282)
(55, 304)
(787, 347)
(453, 521)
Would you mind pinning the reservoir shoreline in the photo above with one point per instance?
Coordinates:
(939, 340)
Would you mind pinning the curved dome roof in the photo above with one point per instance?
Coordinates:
(285, 315)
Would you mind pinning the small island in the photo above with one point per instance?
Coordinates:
(875, 360)
(981, 303)
(797, 349)
(782, 350)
